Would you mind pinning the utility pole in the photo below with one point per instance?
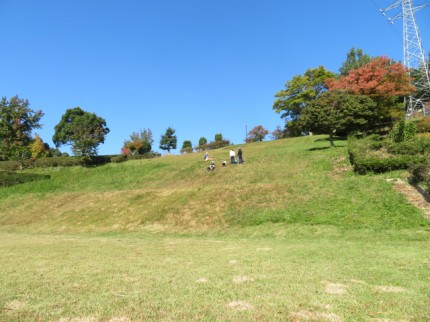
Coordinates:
(246, 133)
(413, 56)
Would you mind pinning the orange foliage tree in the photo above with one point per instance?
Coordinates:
(380, 78)
(386, 82)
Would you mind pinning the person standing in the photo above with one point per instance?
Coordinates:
(239, 155)
(232, 157)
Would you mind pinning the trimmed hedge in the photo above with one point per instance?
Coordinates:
(373, 154)
(54, 162)
(363, 164)
(10, 178)
(212, 145)
(119, 158)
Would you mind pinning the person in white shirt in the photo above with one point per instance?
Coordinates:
(232, 157)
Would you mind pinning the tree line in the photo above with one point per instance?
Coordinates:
(83, 132)
(366, 96)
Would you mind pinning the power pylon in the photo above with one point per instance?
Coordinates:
(413, 56)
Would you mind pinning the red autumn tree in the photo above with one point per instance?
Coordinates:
(380, 78)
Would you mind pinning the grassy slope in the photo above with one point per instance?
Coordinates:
(289, 181)
(291, 235)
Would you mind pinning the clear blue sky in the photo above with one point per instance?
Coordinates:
(202, 67)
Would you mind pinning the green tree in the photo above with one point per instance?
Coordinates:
(168, 140)
(383, 80)
(257, 134)
(139, 143)
(218, 137)
(187, 144)
(17, 121)
(187, 147)
(298, 93)
(82, 130)
(336, 112)
(203, 141)
(354, 59)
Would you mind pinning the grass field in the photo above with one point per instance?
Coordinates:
(291, 235)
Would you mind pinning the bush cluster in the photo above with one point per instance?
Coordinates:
(54, 162)
(212, 145)
(10, 178)
(423, 125)
(374, 154)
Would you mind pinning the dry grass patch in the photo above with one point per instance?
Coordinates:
(413, 196)
(240, 305)
(314, 316)
(391, 289)
(14, 305)
(242, 279)
(335, 288)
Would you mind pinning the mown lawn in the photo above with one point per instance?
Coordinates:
(292, 235)
(291, 273)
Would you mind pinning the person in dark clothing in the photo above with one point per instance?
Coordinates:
(239, 155)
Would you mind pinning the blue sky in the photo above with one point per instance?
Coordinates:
(202, 67)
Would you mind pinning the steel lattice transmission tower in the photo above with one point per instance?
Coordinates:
(413, 55)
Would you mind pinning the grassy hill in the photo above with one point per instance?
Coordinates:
(291, 235)
(285, 181)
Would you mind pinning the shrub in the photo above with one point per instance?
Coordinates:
(213, 145)
(423, 125)
(403, 131)
(143, 156)
(187, 150)
(420, 174)
(56, 162)
(368, 155)
(118, 158)
(10, 178)
(419, 145)
(363, 165)
(10, 165)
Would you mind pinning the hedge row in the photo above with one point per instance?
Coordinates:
(212, 145)
(10, 178)
(54, 162)
(364, 159)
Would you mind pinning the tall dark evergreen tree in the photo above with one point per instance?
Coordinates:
(168, 140)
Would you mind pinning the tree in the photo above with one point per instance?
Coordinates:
(168, 140)
(82, 130)
(354, 59)
(38, 148)
(298, 92)
(336, 111)
(218, 137)
(257, 134)
(17, 121)
(278, 133)
(187, 147)
(203, 141)
(187, 144)
(139, 143)
(381, 78)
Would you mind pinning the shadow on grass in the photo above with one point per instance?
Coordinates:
(325, 148)
(10, 178)
(336, 138)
